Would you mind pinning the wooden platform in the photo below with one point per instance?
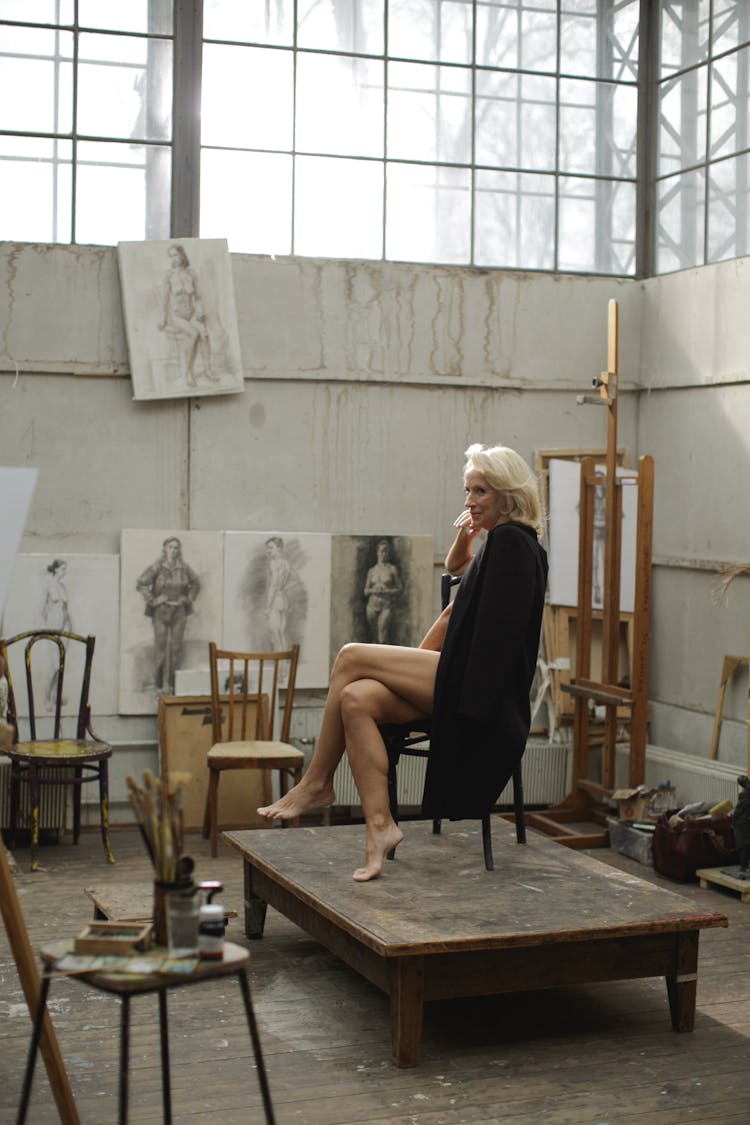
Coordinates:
(725, 878)
(129, 902)
(438, 926)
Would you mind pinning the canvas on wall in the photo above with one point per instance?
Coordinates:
(564, 503)
(180, 318)
(381, 589)
(76, 593)
(170, 608)
(277, 592)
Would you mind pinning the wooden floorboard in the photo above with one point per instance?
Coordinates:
(585, 1056)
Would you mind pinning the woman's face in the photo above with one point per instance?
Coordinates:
(484, 503)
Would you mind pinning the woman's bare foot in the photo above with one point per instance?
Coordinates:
(300, 799)
(380, 840)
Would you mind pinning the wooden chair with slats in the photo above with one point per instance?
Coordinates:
(245, 705)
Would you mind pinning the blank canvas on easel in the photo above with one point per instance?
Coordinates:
(564, 494)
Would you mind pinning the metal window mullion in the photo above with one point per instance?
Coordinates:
(295, 52)
(558, 94)
(647, 133)
(74, 130)
(186, 118)
(386, 61)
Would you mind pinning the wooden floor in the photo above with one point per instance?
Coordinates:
(590, 1055)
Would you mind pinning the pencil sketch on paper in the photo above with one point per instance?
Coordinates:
(180, 318)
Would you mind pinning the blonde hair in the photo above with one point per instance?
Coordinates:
(507, 472)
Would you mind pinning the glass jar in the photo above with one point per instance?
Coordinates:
(211, 932)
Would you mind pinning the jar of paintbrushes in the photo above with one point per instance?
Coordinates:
(157, 805)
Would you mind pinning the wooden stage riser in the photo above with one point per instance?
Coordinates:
(482, 973)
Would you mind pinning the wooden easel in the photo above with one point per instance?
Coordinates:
(28, 972)
(580, 820)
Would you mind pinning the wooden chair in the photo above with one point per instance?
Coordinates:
(245, 690)
(48, 757)
(413, 739)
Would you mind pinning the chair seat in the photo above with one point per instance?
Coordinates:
(59, 751)
(253, 754)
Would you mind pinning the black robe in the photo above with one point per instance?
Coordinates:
(482, 712)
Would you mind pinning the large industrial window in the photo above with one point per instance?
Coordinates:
(703, 176)
(468, 132)
(493, 133)
(85, 120)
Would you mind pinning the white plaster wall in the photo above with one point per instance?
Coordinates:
(364, 384)
(694, 416)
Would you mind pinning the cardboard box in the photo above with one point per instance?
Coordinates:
(637, 843)
(632, 804)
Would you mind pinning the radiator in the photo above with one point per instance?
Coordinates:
(694, 779)
(544, 768)
(53, 802)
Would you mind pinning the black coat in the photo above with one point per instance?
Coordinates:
(481, 715)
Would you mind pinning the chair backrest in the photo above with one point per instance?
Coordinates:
(447, 582)
(245, 691)
(43, 681)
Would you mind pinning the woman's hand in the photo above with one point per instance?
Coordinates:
(464, 523)
(459, 556)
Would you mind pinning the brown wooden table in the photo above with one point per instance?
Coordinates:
(438, 926)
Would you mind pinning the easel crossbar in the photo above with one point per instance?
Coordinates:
(604, 693)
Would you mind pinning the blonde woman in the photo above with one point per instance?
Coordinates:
(472, 672)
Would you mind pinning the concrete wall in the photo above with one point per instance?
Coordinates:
(364, 384)
(694, 415)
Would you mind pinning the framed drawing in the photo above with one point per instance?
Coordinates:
(170, 608)
(180, 318)
(382, 589)
(78, 593)
(277, 592)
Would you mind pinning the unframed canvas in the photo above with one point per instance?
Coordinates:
(77, 593)
(180, 318)
(277, 592)
(564, 502)
(164, 624)
(382, 589)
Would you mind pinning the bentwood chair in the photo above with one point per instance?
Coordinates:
(245, 703)
(56, 665)
(413, 739)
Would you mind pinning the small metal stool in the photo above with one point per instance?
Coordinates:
(234, 963)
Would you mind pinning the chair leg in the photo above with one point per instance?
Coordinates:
(77, 784)
(15, 800)
(489, 862)
(34, 801)
(393, 757)
(104, 808)
(518, 805)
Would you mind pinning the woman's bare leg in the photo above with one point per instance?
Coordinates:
(408, 673)
(364, 704)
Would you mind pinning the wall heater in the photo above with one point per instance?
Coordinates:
(544, 778)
